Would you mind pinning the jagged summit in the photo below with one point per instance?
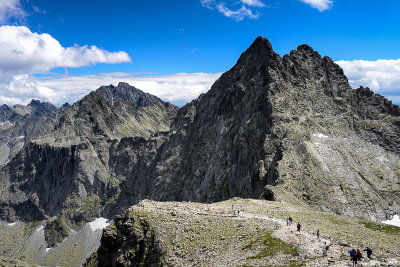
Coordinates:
(127, 93)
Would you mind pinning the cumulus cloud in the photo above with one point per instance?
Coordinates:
(382, 76)
(24, 51)
(176, 88)
(238, 10)
(321, 5)
(10, 9)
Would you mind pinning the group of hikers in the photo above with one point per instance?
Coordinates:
(355, 254)
(289, 222)
(236, 211)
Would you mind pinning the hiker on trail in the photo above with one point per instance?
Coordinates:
(290, 220)
(298, 227)
(358, 255)
(238, 213)
(318, 234)
(369, 252)
(287, 222)
(325, 250)
(353, 256)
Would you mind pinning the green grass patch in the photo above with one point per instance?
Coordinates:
(383, 228)
(30, 227)
(271, 246)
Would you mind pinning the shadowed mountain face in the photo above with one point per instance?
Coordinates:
(281, 128)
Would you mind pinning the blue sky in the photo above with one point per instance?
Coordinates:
(176, 49)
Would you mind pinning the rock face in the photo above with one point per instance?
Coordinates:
(131, 241)
(288, 128)
(79, 168)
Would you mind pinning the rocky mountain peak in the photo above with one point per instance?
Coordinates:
(38, 107)
(260, 51)
(127, 93)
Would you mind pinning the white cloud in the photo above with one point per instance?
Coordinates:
(238, 10)
(256, 3)
(10, 9)
(239, 14)
(181, 87)
(321, 5)
(24, 51)
(382, 76)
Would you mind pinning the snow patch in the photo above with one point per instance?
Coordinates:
(395, 221)
(40, 228)
(317, 144)
(11, 224)
(21, 137)
(47, 249)
(320, 135)
(99, 223)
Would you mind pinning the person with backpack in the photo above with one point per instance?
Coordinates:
(358, 255)
(290, 220)
(298, 227)
(325, 250)
(353, 257)
(318, 234)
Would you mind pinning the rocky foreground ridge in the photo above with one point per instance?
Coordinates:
(287, 129)
(194, 234)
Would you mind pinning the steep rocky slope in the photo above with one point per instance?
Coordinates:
(194, 234)
(81, 165)
(285, 128)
